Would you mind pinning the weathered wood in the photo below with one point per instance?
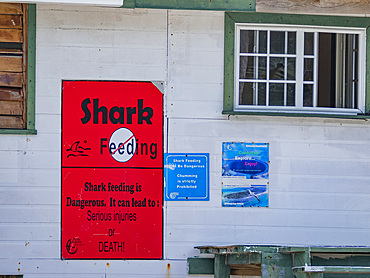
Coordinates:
(26, 100)
(11, 21)
(7, 8)
(11, 63)
(11, 94)
(11, 79)
(10, 51)
(314, 6)
(222, 270)
(11, 35)
(246, 270)
(11, 108)
(201, 266)
(11, 122)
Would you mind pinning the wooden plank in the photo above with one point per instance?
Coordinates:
(221, 269)
(11, 63)
(11, 35)
(11, 108)
(11, 94)
(11, 79)
(10, 51)
(314, 7)
(201, 266)
(7, 8)
(25, 65)
(11, 122)
(11, 21)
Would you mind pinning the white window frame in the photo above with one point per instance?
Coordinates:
(299, 108)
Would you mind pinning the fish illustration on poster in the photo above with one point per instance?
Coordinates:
(245, 174)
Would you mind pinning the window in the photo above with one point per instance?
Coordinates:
(295, 64)
(17, 64)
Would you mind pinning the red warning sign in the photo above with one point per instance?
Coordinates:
(112, 170)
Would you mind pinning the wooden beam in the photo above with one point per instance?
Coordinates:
(222, 270)
(314, 6)
(334, 269)
(243, 258)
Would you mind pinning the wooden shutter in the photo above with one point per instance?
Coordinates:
(13, 51)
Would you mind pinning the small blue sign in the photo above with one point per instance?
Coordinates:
(186, 177)
(250, 160)
(245, 174)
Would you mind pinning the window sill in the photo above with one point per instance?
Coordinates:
(307, 115)
(19, 131)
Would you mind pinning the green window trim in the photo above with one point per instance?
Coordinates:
(215, 5)
(31, 75)
(231, 18)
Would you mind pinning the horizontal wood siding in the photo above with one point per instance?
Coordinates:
(12, 66)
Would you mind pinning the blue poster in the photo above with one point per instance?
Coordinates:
(245, 174)
(186, 177)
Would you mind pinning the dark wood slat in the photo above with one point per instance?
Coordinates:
(11, 21)
(11, 108)
(11, 64)
(11, 94)
(10, 79)
(11, 122)
(7, 8)
(11, 35)
(11, 51)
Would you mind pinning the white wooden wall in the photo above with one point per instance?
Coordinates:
(319, 176)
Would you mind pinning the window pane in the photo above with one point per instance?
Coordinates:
(246, 93)
(277, 42)
(277, 68)
(308, 69)
(291, 95)
(326, 70)
(262, 42)
(291, 42)
(276, 94)
(338, 70)
(307, 95)
(247, 41)
(308, 43)
(291, 68)
(248, 68)
(261, 93)
(262, 67)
